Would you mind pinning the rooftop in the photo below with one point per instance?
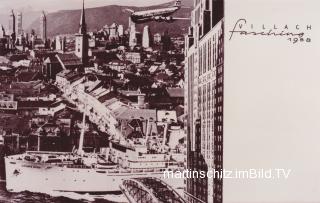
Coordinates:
(175, 92)
(142, 114)
(69, 60)
(51, 59)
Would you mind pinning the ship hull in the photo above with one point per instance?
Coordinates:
(45, 178)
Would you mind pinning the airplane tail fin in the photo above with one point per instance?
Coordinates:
(177, 3)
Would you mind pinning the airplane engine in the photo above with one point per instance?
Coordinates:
(157, 18)
(169, 19)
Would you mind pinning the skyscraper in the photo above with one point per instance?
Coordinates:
(12, 23)
(20, 29)
(166, 41)
(3, 31)
(43, 26)
(120, 30)
(157, 38)
(204, 100)
(60, 44)
(133, 36)
(146, 37)
(113, 31)
(82, 44)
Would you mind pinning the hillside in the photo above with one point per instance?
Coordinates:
(67, 21)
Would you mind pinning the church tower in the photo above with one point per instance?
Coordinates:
(82, 39)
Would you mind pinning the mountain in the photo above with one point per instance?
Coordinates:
(67, 21)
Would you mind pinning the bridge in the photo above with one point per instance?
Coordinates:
(149, 190)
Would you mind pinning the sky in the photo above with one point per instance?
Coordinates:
(54, 5)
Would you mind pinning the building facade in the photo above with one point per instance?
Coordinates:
(204, 100)
(134, 57)
(7, 102)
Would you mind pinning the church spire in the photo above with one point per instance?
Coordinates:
(83, 25)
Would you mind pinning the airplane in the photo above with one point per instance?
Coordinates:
(158, 15)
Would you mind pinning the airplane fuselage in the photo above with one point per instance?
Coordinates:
(153, 15)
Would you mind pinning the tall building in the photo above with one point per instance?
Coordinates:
(113, 31)
(166, 41)
(133, 35)
(157, 38)
(146, 37)
(12, 23)
(60, 44)
(20, 29)
(43, 26)
(82, 43)
(204, 78)
(3, 32)
(120, 30)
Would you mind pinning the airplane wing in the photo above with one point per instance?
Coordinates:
(175, 18)
(128, 10)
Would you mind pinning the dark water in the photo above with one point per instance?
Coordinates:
(28, 197)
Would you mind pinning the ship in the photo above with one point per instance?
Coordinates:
(93, 173)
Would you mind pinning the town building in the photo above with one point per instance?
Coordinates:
(133, 57)
(42, 53)
(7, 102)
(65, 78)
(52, 109)
(51, 67)
(70, 61)
(204, 100)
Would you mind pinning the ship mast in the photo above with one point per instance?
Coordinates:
(80, 148)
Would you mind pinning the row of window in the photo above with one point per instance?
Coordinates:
(218, 148)
(217, 138)
(210, 54)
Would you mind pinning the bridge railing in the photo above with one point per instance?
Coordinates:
(150, 186)
(136, 192)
